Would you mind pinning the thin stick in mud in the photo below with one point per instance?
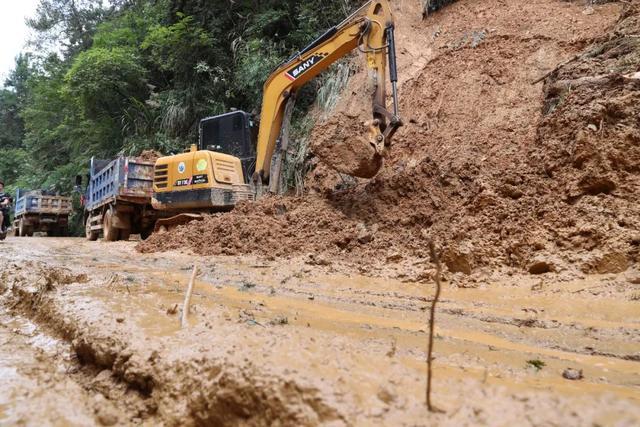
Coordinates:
(187, 297)
(436, 260)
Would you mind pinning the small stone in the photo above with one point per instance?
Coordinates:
(107, 418)
(119, 319)
(572, 374)
(366, 234)
(106, 414)
(592, 127)
(633, 277)
(588, 11)
(394, 257)
(315, 259)
(459, 259)
(386, 396)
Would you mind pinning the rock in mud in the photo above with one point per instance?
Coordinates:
(542, 264)
(342, 141)
(633, 277)
(603, 262)
(459, 259)
(366, 234)
(106, 413)
(572, 374)
(316, 259)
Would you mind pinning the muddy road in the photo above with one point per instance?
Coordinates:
(90, 336)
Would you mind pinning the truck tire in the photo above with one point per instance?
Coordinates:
(16, 231)
(22, 228)
(110, 233)
(124, 234)
(90, 234)
(145, 233)
(53, 232)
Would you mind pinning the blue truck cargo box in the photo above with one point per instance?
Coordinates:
(38, 202)
(125, 178)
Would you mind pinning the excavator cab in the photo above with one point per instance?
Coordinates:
(232, 133)
(213, 175)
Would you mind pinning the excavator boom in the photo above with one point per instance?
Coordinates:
(371, 30)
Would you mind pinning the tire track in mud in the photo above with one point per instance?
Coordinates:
(52, 386)
(217, 391)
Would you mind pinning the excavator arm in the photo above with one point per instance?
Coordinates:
(371, 30)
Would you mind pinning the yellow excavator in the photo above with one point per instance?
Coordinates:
(232, 161)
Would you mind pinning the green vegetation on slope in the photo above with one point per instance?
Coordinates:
(139, 74)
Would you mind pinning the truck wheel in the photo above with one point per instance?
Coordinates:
(53, 232)
(22, 228)
(124, 234)
(110, 233)
(145, 233)
(90, 234)
(16, 231)
(29, 231)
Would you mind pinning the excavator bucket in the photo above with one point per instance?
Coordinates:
(165, 224)
(349, 150)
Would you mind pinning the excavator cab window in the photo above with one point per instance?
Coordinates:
(231, 133)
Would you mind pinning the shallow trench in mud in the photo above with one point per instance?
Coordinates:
(303, 344)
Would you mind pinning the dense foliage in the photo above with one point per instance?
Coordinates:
(128, 75)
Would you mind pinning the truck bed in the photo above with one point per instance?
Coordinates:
(35, 202)
(124, 178)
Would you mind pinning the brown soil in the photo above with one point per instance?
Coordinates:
(150, 155)
(497, 170)
(298, 344)
(341, 140)
(345, 149)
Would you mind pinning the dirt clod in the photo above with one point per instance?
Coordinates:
(541, 265)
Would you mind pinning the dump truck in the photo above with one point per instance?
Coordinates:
(117, 201)
(41, 211)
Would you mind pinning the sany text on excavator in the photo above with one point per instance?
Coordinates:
(232, 161)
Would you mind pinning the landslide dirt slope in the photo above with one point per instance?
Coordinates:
(497, 170)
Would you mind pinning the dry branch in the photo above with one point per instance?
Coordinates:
(187, 297)
(436, 260)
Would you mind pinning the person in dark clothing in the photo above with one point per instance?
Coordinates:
(5, 202)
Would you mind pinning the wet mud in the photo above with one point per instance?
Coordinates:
(313, 344)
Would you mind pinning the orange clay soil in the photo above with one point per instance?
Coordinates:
(499, 171)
